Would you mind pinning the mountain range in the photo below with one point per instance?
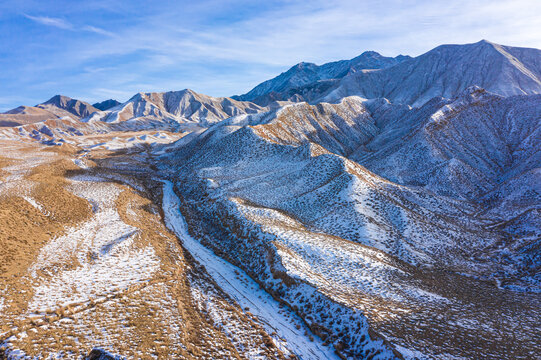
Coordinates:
(444, 71)
(363, 208)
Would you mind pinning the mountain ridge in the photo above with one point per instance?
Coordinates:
(76, 107)
(304, 74)
(57, 107)
(106, 104)
(446, 71)
(175, 107)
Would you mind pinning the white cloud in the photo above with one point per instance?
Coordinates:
(51, 21)
(324, 31)
(97, 30)
(66, 25)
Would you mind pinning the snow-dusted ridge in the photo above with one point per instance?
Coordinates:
(304, 80)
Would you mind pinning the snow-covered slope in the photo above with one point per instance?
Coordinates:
(340, 128)
(446, 71)
(244, 289)
(461, 147)
(276, 194)
(53, 131)
(305, 78)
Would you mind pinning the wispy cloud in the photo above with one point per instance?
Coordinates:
(66, 25)
(51, 21)
(97, 30)
(320, 31)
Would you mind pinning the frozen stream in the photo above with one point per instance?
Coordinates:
(244, 290)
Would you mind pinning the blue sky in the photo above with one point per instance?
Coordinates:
(94, 50)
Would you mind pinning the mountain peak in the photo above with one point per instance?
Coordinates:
(446, 71)
(73, 106)
(187, 91)
(57, 99)
(484, 41)
(106, 104)
(369, 53)
(303, 65)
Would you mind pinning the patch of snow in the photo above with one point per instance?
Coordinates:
(411, 354)
(35, 204)
(93, 259)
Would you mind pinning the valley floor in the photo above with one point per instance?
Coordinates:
(87, 262)
(96, 254)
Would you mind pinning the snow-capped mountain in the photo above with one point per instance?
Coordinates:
(446, 71)
(301, 78)
(175, 107)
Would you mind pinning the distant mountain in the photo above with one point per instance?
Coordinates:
(308, 75)
(75, 107)
(106, 104)
(58, 106)
(176, 107)
(446, 71)
(23, 115)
